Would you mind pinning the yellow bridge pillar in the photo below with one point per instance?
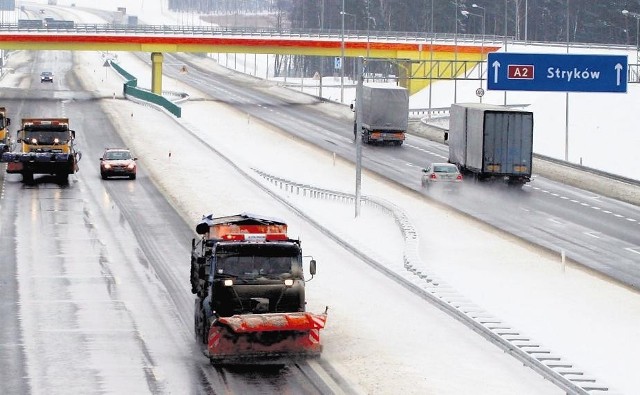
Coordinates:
(156, 72)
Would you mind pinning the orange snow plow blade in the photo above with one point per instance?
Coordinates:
(256, 338)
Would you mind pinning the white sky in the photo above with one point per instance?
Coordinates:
(383, 337)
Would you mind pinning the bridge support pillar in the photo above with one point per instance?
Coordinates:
(156, 72)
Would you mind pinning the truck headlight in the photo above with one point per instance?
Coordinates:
(34, 141)
(228, 283)
(288, 282)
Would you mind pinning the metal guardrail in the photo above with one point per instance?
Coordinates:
(252, 31)
(587, 169)
(444, 111)
(428, 286)
(416, 37)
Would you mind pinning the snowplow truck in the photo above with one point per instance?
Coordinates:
(46, 146)
(5, 137)
(250, 305)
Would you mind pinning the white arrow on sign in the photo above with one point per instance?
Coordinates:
(618, 69)
(496, 66)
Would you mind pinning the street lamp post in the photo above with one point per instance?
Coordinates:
(342, 57)
(455, 58)
(369, 18)
(355, 26)
(484, 14)
(506, 19)
(637, 17)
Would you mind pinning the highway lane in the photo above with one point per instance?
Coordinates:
(90, 313)
(595, 231)
(97, 296)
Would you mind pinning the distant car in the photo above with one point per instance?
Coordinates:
(441, 173)
(46, 76)
(118, 162)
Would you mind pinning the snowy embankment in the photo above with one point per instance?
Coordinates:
(499, 273)
(379, 334)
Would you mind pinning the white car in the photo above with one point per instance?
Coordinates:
(441, 173)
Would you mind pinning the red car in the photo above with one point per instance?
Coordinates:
(118, 162)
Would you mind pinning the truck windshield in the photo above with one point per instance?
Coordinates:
(254, 266)
(47, 136)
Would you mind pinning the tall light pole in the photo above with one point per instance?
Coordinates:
(506, 19)
(484, 14)
(431, 59)
(566, 99)
(455, 58)
(355, 26)
(637, 17)
(526, 19)
(342, 57)
(374, 22)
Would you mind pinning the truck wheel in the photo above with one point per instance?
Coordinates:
(62, 178)
(198, 324)
(27, 177)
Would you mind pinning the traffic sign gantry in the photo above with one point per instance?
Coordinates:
(556, 72)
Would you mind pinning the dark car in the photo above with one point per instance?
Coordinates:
(118, 162)
(46, 76)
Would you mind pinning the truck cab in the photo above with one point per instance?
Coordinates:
(5, 137)
(46, 146)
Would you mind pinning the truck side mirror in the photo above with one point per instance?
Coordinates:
(8, 121)
(73, 133)
(312, 267)
(351, 106)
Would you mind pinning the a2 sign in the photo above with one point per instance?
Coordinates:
(557, 73)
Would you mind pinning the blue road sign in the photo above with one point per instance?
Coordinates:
(556, 72)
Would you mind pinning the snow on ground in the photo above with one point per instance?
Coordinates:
(582, 317)
(379, 334)
(518, 283)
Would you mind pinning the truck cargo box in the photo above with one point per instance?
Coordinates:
(491, 141)
(385, 107)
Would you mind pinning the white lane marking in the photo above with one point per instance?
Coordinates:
(592, 234)
(631, 220)
(634, 250)
(555, 221)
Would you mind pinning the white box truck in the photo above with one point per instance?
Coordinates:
(490, 141)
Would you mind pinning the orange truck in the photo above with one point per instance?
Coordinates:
(45, 146)
(5, 138)
(250, 292)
